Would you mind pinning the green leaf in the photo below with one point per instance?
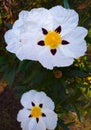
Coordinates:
(77, 112)
(24, 65)
(66, 4)
(11, 77)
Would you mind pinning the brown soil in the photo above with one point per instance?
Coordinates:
(9, 107)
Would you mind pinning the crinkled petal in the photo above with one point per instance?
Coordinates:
(12, 40)
(78, 34)
(11, 36)
(41, 17)
(33, 125)
(75, 52)
(28, 49)
(50, 120)
(23, 14)
(18, 23)
(22, 19)
(59, 59)
(66, 18)
(42, 98)
(77, 45)
(22, 117)
(26, 40)
(27, 99)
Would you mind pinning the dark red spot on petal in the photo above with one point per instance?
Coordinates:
(43, 115)
(40, 105)
(33, 104)
(64, 42)
(41, 43)
(30, 115)
(44, 31)
(37, 119)
(58, 29)
(53, 51)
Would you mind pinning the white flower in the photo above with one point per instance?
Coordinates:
(37, 113)
(51, 37)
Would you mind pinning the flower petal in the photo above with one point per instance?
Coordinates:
(22, 18)
(50, 120)
(57, 60)
(22, 117)
(26, 39)
(33, 125)
(23, 14)
(27, 99)
(23, 114)
(77, 46)
(43, 16)
(11, 36)
(67, 18)
(18, 23)
(42, 98)
(12, 40)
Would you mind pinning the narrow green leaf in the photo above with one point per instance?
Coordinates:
(66, 4)
(77, 112)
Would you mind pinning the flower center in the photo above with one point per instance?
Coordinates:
(36, 112)
(52, 39)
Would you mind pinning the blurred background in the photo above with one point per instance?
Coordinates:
(73, 104)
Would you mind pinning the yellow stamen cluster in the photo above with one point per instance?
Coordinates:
(52, 39)
(36, 112)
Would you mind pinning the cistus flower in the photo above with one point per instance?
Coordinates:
(38, 112)
(50, 36)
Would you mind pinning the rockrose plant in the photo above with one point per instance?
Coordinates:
(49, 44)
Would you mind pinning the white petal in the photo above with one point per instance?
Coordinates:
(11, 36)
(27, 98)
(18, 23)
(67, 18)
(78, 34)
(41, 125)
(42, 98)
(33, 125)
(14, 46)
(12, 40)
(57, 60)
(22, 19)
(41, 17)
(74, 51)
(28, 49)
(77, 45)
(22, 117)
(23, 14)
(24, 45)
(50, 120)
